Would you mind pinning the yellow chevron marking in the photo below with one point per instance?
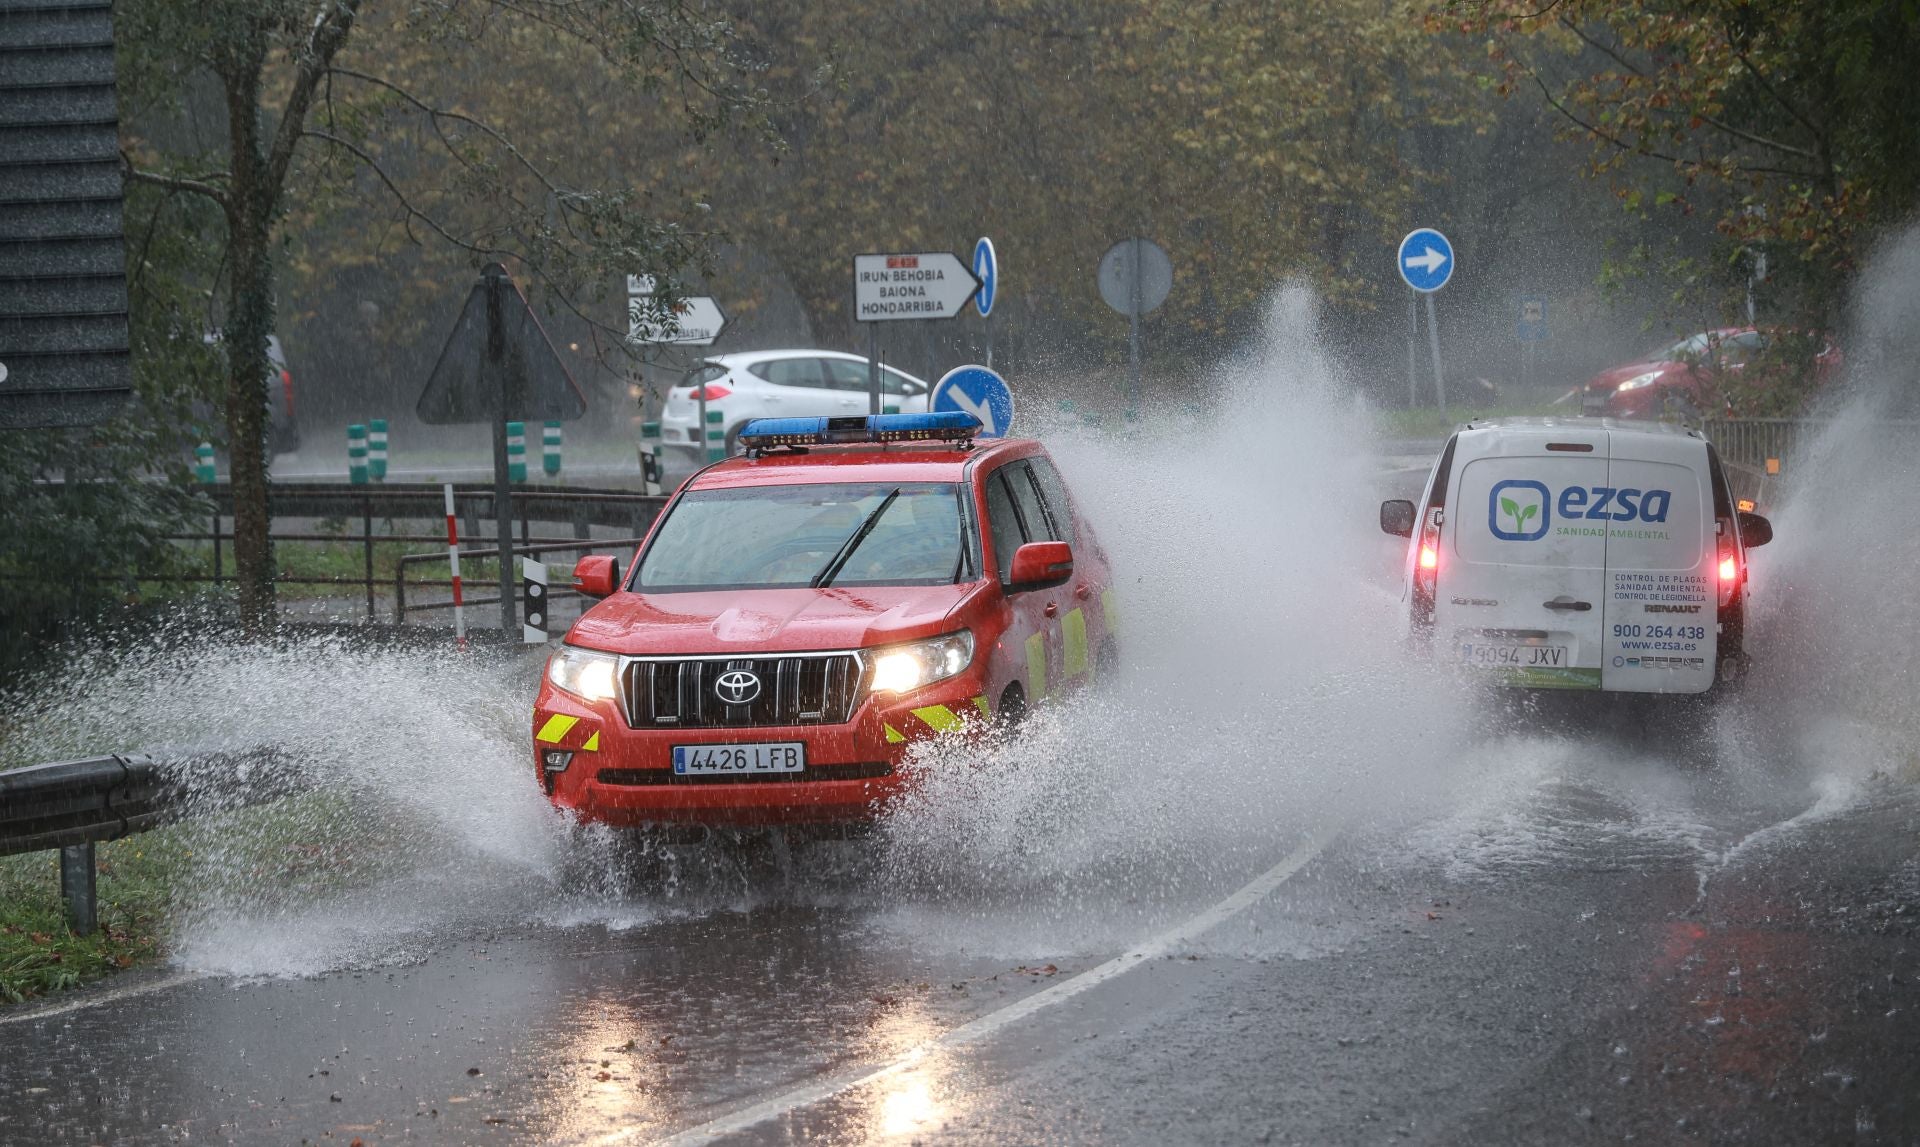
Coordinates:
(593, 743)
(1073, 628)
(557, 726)
(986, 707)
(940, 718)
(893, 735)
(1037, 665)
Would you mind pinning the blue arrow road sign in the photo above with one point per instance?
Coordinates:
(1425, 259)
(986, 268)
(977, 391)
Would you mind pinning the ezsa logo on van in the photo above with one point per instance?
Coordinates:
(1521, 510)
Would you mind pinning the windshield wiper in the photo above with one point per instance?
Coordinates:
(845, 553)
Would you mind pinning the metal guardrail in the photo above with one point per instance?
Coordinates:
(71, 806)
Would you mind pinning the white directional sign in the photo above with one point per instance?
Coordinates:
(699, 320)
(928, 285)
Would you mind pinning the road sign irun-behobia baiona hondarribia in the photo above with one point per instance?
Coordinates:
(923, 285)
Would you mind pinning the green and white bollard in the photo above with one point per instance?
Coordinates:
(357, 454)
(716, 436)
(516, 451)
(203, 468)
(550, 449)
(650, 472)
(377, 449)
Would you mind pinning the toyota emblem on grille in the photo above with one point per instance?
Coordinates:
(737, 686)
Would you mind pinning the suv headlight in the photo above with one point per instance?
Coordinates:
(584, 673)
(904, 668)
(1640, 380)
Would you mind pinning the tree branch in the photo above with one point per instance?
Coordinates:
(482, 250)
(330, 29)
(199, 186)
(1710, 121)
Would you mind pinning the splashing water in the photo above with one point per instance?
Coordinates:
(1836, 614)
(1262, 693)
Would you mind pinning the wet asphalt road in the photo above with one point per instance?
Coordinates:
(1602, 946)
(1574, 963)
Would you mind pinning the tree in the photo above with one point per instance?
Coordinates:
(304, 118)
(1788, 122)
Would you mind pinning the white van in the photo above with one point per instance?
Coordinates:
(1580, 554)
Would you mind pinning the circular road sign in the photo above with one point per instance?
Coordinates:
(1135, 276)
(986, 268)
(1425, 260)
(977, 391)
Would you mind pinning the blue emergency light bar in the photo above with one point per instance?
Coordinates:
(946, 426)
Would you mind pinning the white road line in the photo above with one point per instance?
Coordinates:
(105, 996)
(978, 1029)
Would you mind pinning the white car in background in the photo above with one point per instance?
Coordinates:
(780, 384)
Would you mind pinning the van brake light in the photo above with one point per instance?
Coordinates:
(712, 392)
(1729, 564)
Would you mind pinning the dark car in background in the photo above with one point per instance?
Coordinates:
(283, 430)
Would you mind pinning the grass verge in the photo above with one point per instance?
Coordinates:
(273, 855)
(39, 955)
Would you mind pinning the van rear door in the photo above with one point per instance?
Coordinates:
(1661, 613)
(1520, 592)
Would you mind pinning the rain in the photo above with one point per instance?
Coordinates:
(1044, 601)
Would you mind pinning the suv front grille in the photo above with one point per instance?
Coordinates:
(802, 689)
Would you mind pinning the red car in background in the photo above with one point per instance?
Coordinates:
(800, 616)
(1686, 380)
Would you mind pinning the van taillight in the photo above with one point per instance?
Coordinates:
(286, 389)
(712, 392)
(1426, 571)
(1729, 562)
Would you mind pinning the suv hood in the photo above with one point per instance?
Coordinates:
(768, 620)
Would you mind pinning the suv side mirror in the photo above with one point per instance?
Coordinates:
(1754, 529)
(1396, 518)
(1038, 565)
(596, 575)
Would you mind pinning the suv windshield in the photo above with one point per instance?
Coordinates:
(785, 537)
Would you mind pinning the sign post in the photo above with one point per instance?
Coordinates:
(1135, 278)
(897, 287)
(498, 366)
(1425, 261)
(1532, 331)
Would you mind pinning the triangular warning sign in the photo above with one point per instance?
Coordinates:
(498, 365)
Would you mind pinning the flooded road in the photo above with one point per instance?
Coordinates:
(1588, 951)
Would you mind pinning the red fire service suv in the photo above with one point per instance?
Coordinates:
(798, 617)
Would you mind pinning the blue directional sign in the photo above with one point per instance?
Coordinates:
(977, 391)
(986, 268)
(1533, 319)
(1425, 260)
